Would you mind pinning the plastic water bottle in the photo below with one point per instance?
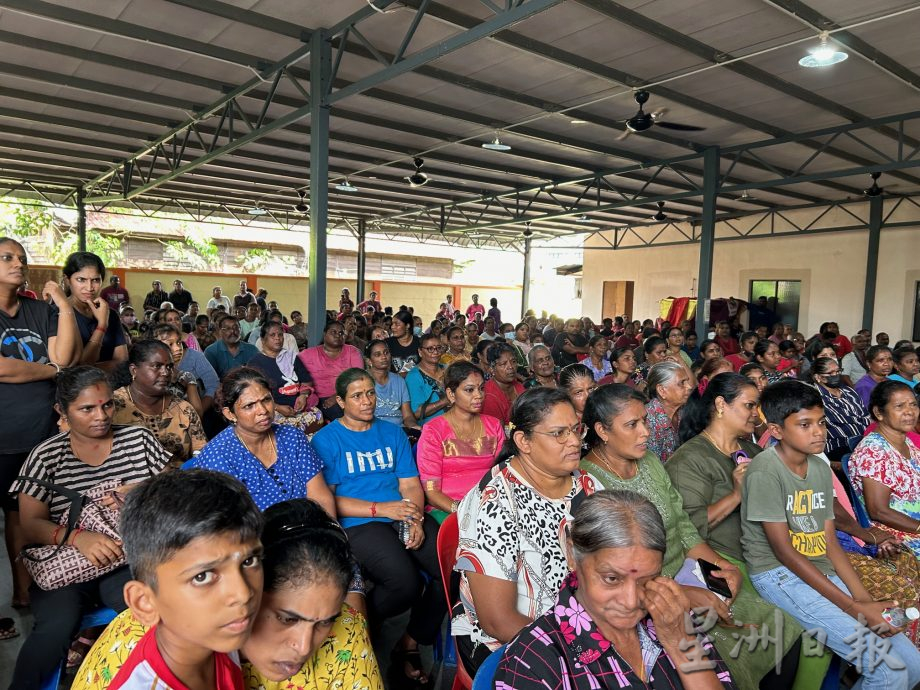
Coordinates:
(898, 617)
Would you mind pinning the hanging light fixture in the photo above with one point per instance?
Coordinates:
(496, 145)
(582, 219)
(824, 55)
(256, 210)
(346, 186)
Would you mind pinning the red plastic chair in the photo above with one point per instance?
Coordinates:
(448, 539)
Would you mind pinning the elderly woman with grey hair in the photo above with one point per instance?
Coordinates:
(617, 623)
(669, 388)
(543, 367)
(619, 459)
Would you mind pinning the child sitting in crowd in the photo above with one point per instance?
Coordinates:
(791, 548)
(192, 540)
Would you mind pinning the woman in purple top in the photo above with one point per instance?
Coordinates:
(880, 363)
(617, 623)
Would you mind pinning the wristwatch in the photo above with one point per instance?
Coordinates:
(186, 378)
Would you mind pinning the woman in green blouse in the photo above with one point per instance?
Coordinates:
(619, 459)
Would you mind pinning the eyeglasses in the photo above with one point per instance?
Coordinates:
(562, 435)
(433, 349)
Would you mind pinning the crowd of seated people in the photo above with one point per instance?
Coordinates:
(601, 476)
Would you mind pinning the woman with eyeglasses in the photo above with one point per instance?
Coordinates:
(369, 467)
(845, 415)
(512, 557)
(456, 449)
(577, 381)
(619, 459)
(427, 397)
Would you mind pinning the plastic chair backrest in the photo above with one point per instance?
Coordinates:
(90, 620)
(486, 673)
(862, 517)
(448, 540)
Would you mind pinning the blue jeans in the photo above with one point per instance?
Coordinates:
(783, 588)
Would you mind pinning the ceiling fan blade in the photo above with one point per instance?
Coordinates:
(623, 135)
(682, 128)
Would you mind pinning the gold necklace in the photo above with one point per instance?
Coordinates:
(605, 464)
(716, 445)
(134, 402)
(468, 437)
(271, 440)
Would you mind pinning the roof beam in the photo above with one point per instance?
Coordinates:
(512, 14)
(819, 22)
(575, 61)
(636, 20)
(114, 27)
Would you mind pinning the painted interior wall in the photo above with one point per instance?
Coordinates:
(831, 266)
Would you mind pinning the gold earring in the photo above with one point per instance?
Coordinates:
(719, 414)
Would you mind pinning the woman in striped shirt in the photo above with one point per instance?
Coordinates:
(90, 452)
(846, 416)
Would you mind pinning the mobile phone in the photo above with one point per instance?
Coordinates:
(718, 585)
(739, 456)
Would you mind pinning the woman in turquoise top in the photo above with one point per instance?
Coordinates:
(619, 459)
(427, 396)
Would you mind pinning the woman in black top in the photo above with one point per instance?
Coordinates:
(103, 338)
(36, 340)
(403, 344)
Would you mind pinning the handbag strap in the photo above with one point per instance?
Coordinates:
(77, 501)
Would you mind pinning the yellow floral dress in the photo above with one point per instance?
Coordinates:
(345, 661)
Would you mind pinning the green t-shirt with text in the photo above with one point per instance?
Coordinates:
(773, 493)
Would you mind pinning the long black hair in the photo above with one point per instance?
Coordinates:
(697, 413)
(604, 404)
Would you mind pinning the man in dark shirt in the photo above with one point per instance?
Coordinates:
(569, 344)
(760, 314)
(244, 298)
(155, 297)
(180, 297)
(115, 294)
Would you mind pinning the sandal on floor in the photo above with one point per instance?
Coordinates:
(8, 629)
(399, 659)
(78, 649)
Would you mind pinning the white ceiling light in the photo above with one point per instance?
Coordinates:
(496, 145)
(346, 186)
(824, 55)
(256, 210)
(578, 122)
(582, 219)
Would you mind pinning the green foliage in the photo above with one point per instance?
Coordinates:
(196, 249)
(37, 223)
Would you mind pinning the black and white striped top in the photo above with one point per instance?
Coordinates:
(136, 455)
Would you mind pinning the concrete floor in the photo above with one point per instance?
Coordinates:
(443, 675)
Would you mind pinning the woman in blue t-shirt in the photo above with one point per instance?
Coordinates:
(369, 468)
(392, 393)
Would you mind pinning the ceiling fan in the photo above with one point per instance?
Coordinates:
(661, 216)
(874, 190)
(643, 121)
(302, 206)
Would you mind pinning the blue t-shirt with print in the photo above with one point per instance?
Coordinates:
(390, 399)
(365, 464)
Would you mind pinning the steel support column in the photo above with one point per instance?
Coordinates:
(875, 231)
(81, 219)
(707, 236)
(320, 76)
(362, 260)
(525, 292)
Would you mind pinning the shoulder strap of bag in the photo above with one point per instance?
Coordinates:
(77, 501)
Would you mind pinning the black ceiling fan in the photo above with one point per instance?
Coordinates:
(874, 190)
(661, 216)
(643, 121)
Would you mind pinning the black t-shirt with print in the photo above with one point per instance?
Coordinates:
(28, 415)
(403, 353)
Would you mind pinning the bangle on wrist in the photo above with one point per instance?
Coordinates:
(73, 537)
(100, 329)
(374, 509)
(57, 367)
(55, 533)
